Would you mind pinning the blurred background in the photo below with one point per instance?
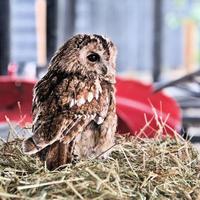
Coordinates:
(156, 39)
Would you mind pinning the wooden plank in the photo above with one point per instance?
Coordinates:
(41, 32)
(190, 31)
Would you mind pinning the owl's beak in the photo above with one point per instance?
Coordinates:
(104, 70)
(107, 74)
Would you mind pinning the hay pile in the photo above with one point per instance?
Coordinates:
(136, 169)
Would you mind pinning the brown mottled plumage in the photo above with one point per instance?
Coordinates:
(74, 113)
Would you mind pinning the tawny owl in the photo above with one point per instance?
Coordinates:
(74, 114)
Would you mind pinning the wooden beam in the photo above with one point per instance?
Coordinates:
(4, 36)
(66, 20)
(157, 39)
(52, 15)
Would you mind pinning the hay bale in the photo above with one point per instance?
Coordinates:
(137, 169)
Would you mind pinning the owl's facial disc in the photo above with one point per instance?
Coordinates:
(96, 61)
(94, 58)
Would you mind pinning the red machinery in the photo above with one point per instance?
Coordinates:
(141, 111)
(137, 106)
(15, 99)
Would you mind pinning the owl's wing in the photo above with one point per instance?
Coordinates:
(62, 107)
(95, 104)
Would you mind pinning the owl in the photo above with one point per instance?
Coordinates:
(74, 108)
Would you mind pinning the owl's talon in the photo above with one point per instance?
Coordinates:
(75, 159)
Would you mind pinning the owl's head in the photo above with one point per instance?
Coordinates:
(88, 55)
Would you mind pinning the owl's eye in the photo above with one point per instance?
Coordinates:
(93, 57)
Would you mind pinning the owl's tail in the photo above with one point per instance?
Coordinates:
(29, 147)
